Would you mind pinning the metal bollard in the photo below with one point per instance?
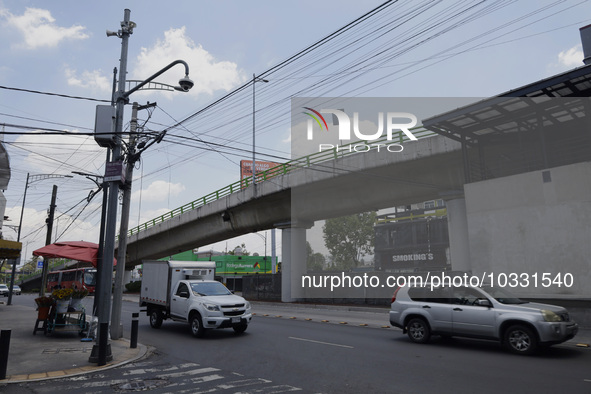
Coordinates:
(4, 346)
(134, 330)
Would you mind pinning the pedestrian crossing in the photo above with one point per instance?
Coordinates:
(161, 377)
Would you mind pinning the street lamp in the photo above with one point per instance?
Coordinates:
(31, 179)
(254, 81)
(121, 98)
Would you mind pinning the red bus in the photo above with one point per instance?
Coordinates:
(79, 278)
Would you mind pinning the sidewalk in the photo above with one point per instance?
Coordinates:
(38, 357)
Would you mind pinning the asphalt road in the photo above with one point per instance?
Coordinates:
(282, 354)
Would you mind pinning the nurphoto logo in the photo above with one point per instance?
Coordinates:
(394, 121)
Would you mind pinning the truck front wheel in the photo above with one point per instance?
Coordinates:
(197, 326)
(156, 318)
(239, 329)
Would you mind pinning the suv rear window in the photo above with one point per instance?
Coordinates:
(426, 294)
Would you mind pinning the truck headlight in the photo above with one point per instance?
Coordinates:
(550, 316)
(212, 307)
(247, 305)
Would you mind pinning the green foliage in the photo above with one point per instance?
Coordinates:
(348, 238)
(244, 251)
(134, 287)
(314, 261)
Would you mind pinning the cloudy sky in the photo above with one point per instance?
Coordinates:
(410, 48)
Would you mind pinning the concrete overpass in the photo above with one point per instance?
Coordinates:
(427, 169)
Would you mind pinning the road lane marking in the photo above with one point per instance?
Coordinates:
(322, 343)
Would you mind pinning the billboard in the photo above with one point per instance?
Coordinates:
(261, 166)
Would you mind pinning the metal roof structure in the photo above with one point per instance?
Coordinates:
(554, 100)
(537, 126)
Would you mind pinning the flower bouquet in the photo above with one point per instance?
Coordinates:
(77, 296)
(62, 299)
(44, 302)
(43, 305)
(79, 293)
(62, 294)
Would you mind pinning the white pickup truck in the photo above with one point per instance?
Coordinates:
(185, 291)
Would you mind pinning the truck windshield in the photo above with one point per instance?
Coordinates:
(210, 289)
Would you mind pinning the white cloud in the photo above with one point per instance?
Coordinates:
(39, 29)
(94, 80)
(158, 191)
(572, 57)
(208, 74)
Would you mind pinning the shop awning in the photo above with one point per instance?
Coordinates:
(10, 249)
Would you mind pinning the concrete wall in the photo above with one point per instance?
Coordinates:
(534, 223)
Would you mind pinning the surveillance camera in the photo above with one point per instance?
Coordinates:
(186, 84)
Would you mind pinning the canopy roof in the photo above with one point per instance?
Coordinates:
(73, 250)
(10, 249)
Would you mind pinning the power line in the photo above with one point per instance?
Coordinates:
(54, 94)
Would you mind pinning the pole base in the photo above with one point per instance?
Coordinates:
(94, 354)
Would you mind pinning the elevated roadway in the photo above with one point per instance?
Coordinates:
(427, 169)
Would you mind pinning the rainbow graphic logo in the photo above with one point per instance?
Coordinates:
(316, 117)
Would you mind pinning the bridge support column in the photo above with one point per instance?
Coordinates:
(457, 223)
(126, 277)
(293, 264)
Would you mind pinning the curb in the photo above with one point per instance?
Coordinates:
(127, 357)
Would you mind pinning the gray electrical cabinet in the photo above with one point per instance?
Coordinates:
(104, 122)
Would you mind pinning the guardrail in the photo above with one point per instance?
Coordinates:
(39, 271)
(302, 162)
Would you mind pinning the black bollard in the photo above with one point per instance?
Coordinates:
(4, 346)
(134, 330)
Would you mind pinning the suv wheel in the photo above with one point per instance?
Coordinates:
(520, 340)
(418, 330)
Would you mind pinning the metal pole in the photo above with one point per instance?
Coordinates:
(253, 134)
(48, 240)
(4, 347)
(273, 252)
(101, 248)
(100, 252)
(18, 238)
(134, 330)
(116, 325)
(104, 309)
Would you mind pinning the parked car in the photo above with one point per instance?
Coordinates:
(16, 290)
(4, 290)
(485, 312)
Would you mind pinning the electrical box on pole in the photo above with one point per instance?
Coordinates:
(103, 126)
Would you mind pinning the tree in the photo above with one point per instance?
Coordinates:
(314, 261)
(244, 251)
(348, 238)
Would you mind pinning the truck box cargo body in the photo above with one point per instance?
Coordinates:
(156, 273)
(185, 291)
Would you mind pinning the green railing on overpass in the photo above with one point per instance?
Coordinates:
(302, 162)
(53, 263)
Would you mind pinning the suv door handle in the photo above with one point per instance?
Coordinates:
(458, 309)
(426, 307)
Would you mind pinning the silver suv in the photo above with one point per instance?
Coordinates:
(484, 312)
(4, 290)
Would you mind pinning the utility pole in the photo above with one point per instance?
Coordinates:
(116, 326)
(104, 309)
(49, 221)
(121, 98)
